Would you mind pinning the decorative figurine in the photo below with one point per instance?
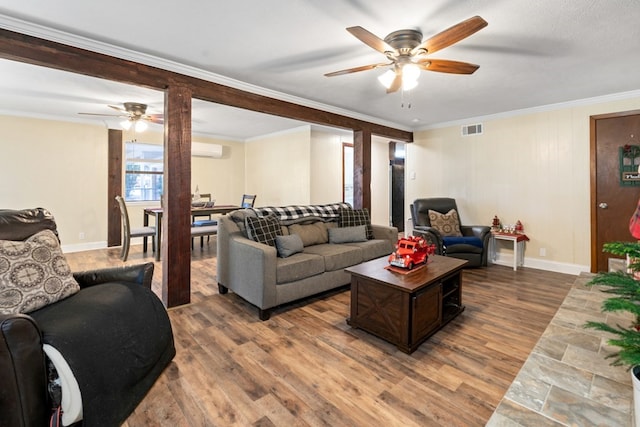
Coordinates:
(495, 224)
(410, 252)
(519, 228)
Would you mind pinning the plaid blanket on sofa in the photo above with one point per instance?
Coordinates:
(297, 212)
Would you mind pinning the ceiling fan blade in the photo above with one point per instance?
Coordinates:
(396, 83)
(154, 118)
(370, 39)
(356, 69)
(451, 35)
(103, 115)
(446, 66)
(117, 108)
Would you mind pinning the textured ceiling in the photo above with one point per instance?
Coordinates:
(532, 54)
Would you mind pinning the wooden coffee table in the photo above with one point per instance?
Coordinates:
(405, 309)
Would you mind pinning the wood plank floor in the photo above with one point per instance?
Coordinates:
(306, 367)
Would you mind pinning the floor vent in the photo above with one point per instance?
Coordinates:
(472, 129)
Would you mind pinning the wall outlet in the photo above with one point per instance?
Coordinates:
(81, 236)
(543, 252)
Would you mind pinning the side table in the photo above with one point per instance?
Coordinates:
(518, 246)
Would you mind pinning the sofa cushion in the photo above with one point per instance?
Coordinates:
(348, 234)
(298, 266)
(264, 230)
(336, 256)
(313, 233)
(288, 245)
(354, 217)
(447, 224)
(33, 273)
(372, 249)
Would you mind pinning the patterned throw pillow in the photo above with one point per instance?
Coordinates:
(264, 230)
(447, 224)
(355, 217)
(33, 273)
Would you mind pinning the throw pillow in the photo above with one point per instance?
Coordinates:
(264, 230)
(310, 234)
(355, 217)
(447, 224)
(33, 273)
(348, 234)
(288, 245)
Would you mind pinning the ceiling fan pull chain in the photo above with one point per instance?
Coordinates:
(402, 100)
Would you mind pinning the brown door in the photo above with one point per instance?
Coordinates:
(613, 204)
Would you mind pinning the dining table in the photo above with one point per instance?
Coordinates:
(157, 212)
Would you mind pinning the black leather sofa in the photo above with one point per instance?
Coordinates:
(114, 334)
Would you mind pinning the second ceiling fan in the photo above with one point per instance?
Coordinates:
(408, 54)
(134, 113)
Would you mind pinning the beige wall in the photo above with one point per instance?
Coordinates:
(278, 167)
(58, 166)
(224, 177)
(530, 167)
(63, 167)
(326, 165)
(380, 209)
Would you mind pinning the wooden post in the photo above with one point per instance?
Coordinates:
(114, 187)
(176, 227)
(362, 169)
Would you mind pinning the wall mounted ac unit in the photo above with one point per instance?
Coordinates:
(200, 149)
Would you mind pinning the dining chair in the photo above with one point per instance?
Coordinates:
(208, 222)
(248, 200)
(129, 232)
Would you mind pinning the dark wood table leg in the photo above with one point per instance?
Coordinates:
(145, 222)
(158, 235)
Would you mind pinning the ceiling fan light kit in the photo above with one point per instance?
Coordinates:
(408, 53)
(135, 115)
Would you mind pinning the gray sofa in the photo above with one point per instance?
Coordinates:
(257, 273)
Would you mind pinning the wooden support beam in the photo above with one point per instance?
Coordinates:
(33, 50)
(114, 187)
(176, 227)
(362, 169)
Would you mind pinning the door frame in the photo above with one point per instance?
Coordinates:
(594, 175)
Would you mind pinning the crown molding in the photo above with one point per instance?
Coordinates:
(296, 129)
(58, 36)
(540, 109)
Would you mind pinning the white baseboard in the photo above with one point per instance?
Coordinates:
(79, 247)
(558, 267)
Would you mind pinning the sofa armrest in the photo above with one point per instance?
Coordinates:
(141, 274)
(385, 232)
(480, 231)
(252, 271)
(431, 235)
(23, 395)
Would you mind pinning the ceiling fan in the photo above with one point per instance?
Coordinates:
(134, 114)
(408, 54)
